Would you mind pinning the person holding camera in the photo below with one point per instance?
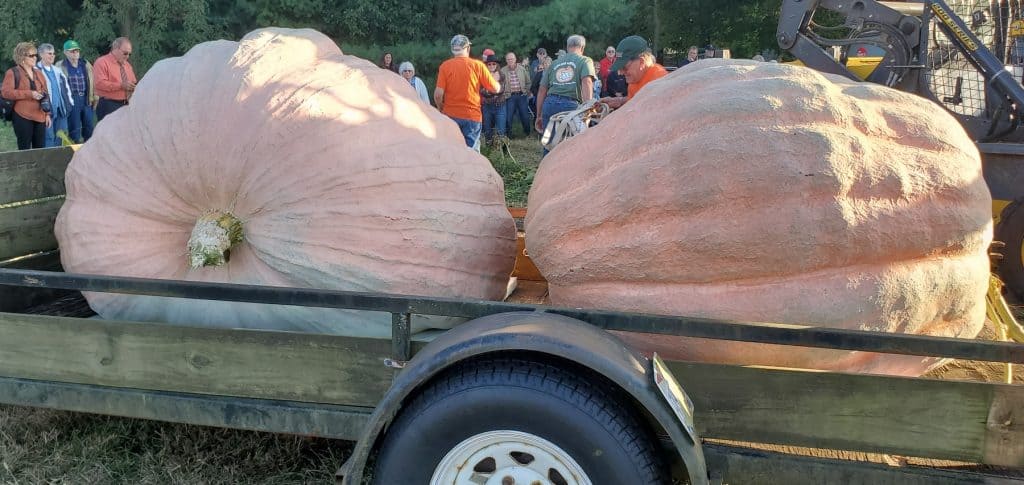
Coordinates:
(26, 85)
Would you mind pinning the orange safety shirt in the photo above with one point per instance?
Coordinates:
(461, 79)
(654, 72)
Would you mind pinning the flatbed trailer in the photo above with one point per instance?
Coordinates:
(710, 429)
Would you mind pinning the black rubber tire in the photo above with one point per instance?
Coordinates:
(1011, 232)
(597, 430)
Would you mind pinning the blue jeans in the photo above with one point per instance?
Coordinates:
(494, 118)
(80, 120)
(60, 123)
(554, 105)
(519, 106)
(470, 131)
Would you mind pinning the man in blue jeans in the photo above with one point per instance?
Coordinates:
(457, 94)
(59, 91)
(79, 74)
(518, 81)
(568, 82)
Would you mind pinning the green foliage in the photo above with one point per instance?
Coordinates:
(157, 28)
(32, 20)
(602, 22)
(514, 30)
(746, 27)
(416, 30)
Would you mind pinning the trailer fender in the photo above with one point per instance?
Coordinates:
(537, 332)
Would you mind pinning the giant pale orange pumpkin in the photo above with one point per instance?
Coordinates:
(764, 192)
(278, 160)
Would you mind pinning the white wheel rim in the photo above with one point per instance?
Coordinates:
(506, 457)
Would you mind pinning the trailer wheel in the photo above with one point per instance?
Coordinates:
(512, 421)
(1011, 232)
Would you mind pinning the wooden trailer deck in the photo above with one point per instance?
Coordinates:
(323, 385)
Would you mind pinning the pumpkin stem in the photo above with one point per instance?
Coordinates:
(213, 236)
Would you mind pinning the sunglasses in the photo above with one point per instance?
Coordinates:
(32, 55)
(127, 54)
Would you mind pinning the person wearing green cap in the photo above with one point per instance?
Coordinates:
(79, 74)
(636, 63)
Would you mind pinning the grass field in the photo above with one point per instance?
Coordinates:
(50, 447)
(38, 446)
(516, 166)
(7, 140)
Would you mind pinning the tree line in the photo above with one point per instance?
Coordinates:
(417, 30)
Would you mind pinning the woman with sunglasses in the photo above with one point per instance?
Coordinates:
(26, 85)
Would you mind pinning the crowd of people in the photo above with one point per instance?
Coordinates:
(54, 98)
(487, 97)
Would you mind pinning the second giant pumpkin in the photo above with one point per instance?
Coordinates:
(771, 193)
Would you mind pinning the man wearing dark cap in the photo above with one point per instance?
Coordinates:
(636, 64)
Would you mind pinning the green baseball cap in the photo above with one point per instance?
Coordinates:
(72, 45)
(629, 48)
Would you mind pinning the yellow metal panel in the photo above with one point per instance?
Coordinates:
(997, 209)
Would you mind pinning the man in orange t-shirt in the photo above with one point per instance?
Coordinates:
(636, 64)
(457, 95)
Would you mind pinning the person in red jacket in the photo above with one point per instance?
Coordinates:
(28, 93)
(606, 65)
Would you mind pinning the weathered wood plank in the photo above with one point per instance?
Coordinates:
(18, 298)
(744, 466)
(798, 335)
(1004, 441)
(321, 420)
(28, 229)
(914, 417)
(33, 174)
(239, 363)
(524, 268)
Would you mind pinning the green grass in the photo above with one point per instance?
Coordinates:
(8, 142)
(517, 165)
(41, 446)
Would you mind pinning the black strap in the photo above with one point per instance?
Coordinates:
(17, 79)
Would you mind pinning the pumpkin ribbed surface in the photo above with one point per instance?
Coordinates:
(278, 160)
(764, 192)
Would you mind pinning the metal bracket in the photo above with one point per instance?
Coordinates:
(395, 364)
